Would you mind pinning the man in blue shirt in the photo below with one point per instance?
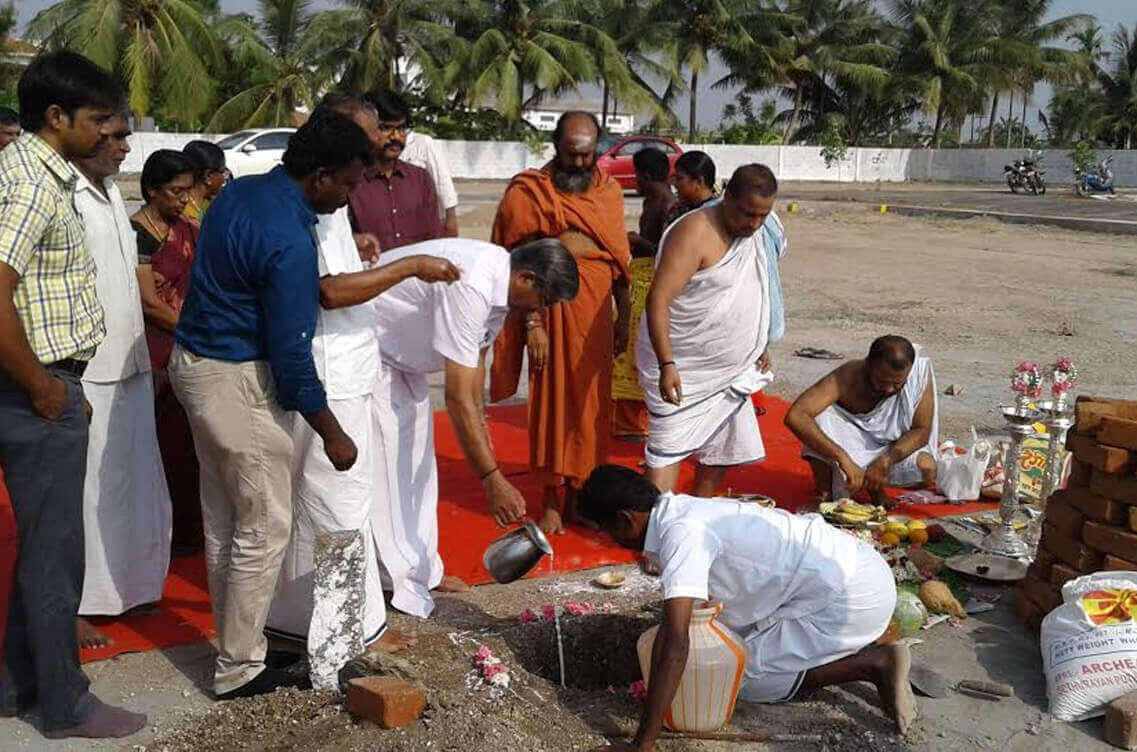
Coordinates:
(243, 358)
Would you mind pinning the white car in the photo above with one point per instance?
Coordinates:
(255, 151)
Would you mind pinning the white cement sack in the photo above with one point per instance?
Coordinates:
(1089, 645)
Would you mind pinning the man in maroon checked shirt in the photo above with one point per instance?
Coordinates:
(395, 201)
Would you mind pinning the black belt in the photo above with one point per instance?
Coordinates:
(69, 365)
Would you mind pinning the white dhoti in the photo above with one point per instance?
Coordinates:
(326, 500)
(404, 509)
(126, 504)
(779, 652)
(719, 328)
(865, 437)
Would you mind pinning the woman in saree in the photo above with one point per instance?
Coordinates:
(166, 243)
(209, 178)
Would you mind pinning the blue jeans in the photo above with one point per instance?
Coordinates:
(44, 463)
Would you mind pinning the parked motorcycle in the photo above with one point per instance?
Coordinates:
(1024, 173)
(1099, 181)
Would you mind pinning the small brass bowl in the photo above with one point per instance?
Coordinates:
(610, 580)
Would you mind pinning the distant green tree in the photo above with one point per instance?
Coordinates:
(7, 74)
(161, 49)
(285, 62)
(743, 125)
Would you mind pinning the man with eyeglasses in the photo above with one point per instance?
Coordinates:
(431, 328)
(396, 201)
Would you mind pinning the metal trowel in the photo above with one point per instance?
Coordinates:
(932, 683)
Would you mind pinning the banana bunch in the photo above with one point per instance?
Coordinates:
(849, 512)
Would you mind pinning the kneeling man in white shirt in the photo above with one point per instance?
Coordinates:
(808, 599)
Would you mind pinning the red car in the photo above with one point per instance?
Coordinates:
(616, 156)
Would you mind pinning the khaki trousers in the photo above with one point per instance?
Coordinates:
(244, 448)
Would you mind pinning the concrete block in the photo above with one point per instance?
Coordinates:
(1066, 519)
(1108, 459)
(1117, 564)
(1118, 432)
(1089, 411)
(1121, 722)
(1071, 551)
(1094, 507)
(390, 702)
(1116, 487)
(1110, 540)
(335, 634)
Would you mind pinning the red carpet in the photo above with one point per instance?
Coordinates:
(466, 528)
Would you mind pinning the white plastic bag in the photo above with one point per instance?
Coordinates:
(1089, 645)
(959, 477)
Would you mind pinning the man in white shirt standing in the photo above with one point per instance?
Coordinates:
(423, 151)
(426, 329)
(126, 504)
(346, 352)
(809, 600)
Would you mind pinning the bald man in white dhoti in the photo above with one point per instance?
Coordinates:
(429, 329)
(871, 423)
(708, 316)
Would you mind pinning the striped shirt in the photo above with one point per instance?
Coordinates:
(41, 238)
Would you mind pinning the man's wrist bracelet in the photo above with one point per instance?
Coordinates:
(666, 363)
(491, 472)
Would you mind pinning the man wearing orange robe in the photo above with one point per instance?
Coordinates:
(571, 346)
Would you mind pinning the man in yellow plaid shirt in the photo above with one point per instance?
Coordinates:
(50, 325)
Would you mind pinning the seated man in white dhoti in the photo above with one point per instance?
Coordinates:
(870, 423)
(426, 329)
(708, 316)
(126, 504)
(808, 600)
(346, 352)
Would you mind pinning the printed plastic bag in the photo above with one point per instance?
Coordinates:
(1089, 645)
(960, 476)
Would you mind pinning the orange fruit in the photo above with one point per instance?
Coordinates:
(890, 539)
(918, 536)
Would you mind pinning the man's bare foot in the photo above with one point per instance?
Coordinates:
(392, 641)
(551, 522)
(649, 566)
(891, 672)
(452, 584)
(89, 636)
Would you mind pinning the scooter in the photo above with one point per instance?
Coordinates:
(1100, 181)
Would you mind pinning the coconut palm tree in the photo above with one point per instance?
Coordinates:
(286, 61)
(386, 43)
(644, 36)
(703, 27)
(1120, 88)
(942, 57)
(524, 50)
(806, 48)
(1020, 53)
(159, 48)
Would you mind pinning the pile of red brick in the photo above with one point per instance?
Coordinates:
(1092, 525)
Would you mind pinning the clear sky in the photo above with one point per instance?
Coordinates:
(1109, 13)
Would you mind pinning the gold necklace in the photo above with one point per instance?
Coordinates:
(161, 237)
